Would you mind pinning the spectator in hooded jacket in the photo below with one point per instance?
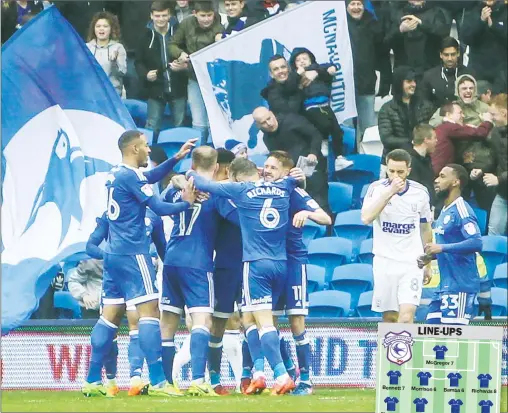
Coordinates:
(398, 117)
(165, 80)
(485, 31)
(438, 84)
(104, 44)
(366, 34)
(415, 35)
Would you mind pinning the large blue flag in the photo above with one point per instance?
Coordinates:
(61, 120)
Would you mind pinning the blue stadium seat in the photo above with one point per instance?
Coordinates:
(311, 231)
(499, 302)
(148, 133)
(501, 276)
(315, 278)
(481, 215)
(172, 139)
(184, 165)
(364, 307)
(259, 160)
(349, 225)
(364, 170)
(340, 196)
(67, 304)
(494, 252)
(138, 110)
(353, 279)
(365, 255)
(349, 140)
(329, 304)
(329, 252)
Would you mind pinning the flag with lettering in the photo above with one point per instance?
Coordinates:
(232, 72)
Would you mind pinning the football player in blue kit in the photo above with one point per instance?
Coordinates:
(263, 209)
(457, 239)
(129, 275)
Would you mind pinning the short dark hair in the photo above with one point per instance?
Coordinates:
(461, 174)
(204, 6)
(275, 57)
(399, 155)
(283, 157)
(242, 166)
(161, 6)
(127, 138)
(422, 132)
(449, 42)
(204, 157)
(157, 154)
(224, 157)
(447, 108)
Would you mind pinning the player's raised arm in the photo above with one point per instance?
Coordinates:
(159, 172)
(96, 237)
(378, 197)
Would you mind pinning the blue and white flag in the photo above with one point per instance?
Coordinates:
(232, 72)
(61, 120)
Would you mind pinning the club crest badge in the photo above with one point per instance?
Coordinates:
(399, 347)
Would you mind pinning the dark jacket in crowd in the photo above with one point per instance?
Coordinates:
(421, 172)
(501, 83)
(237, 24)
(133, 15)
(80, 13)
(418, 48)
(487, 45)
(438, 84)
(284, 97)
(500, 152)
(149, 56)
(10, 20)
(366, 36)
(396, 120)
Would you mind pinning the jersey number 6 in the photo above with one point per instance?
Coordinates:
(269, 216)
(113, 207)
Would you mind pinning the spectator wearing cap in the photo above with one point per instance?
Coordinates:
(239, 149)
(398, 117)
(438, 83)
(484, 90)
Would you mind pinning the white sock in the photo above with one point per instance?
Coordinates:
(135, 380)
(232, 346)
(182, 357)
(283, 378)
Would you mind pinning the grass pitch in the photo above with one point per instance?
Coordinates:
(324, 400)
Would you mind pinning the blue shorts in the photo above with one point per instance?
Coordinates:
(128, 279)
(263, 284)
(227, 283)
(182, 286)
(452, 308)
(295, 298)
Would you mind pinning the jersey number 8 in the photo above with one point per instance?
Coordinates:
(113, 207)
(269, 217)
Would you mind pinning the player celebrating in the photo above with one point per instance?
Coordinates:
(263, 210)
(129, 275)
(296, 298)
(400, 211)
(458, 238)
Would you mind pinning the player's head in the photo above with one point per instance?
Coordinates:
(425, 137)
(398, 164)
(204, 159)
(243, 170)
(224, 159)
(277, 165)
(452, 179)
(265, 119)
(134, 146)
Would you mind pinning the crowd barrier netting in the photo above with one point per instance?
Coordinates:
(57, 356)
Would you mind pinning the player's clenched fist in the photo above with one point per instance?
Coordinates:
(397, 185)
(300, 218)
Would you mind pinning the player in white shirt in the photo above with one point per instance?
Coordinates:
(400, 212)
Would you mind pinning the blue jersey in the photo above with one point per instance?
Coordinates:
(420, 404)
(484, 380)
(485, 405)
(455, 405)
(300, 200)
(391, 403)
(263, 209)
(394, 376)
(128, 193)
(459, 272)
(192, 240)
(424, 377)
(454, 379)
(228, 245)
(440, 352)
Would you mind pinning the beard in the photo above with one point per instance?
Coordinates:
(443, 194)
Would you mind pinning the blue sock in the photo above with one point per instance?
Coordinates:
(214, 359)
(111, 361)
(135, 355)
(246, 360)
(102, 338)
(200, 336)
(303, 354)
(151, 344)
(256, 352)
(271, 349)
(168, 355)
(286, 358)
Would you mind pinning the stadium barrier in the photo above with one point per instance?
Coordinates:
(51, 356)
